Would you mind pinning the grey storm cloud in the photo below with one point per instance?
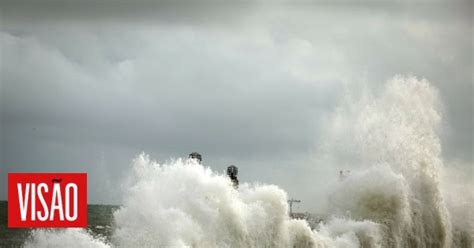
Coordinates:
(88, 86)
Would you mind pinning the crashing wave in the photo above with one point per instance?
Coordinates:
(392, 199)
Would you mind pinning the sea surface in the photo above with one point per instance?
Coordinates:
(99, 219)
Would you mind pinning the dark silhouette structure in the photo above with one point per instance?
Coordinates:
(195, 155)
(232, 172)
(290, 202)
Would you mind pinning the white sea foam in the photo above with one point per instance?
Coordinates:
(71, 237)
(395, 131)
(202, 209)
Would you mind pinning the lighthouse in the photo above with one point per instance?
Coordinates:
(232, 172)
(196, 156)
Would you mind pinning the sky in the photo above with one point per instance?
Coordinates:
(87, 86)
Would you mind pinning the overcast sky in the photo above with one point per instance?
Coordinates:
(88, 86)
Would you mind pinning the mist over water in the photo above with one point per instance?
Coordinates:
(395, 135)
(393, 196)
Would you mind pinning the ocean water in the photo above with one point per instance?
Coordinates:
(100, 222)
(397, 195)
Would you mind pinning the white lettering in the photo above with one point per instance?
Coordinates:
(56, 203)
(43, 202)
(72, 186)
(23, 200)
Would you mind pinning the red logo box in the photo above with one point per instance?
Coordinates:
(47, 200)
